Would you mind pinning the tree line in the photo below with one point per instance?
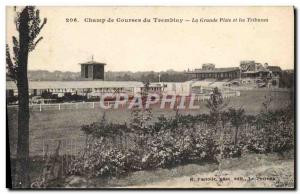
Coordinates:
(151, 76)
(286, 79)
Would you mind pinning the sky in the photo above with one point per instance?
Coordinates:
(150, 46)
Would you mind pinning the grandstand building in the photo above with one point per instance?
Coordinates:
(90, 86)
(249, 73)
(209, 71)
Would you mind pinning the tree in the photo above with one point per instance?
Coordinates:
(216, 104)
(140, 116)
(28, 25)
(237, 118)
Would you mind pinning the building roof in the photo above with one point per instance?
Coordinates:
(261, 68)
(77, 84)
(216, 70)
(92, 62)
(274, 68)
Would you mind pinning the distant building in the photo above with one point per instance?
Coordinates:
(289, 71)
(91, 86)
(92, 70)
(92, 89)
(251, 69)
(209, 71)
(264, 75)
(249, 72)
(275, 70)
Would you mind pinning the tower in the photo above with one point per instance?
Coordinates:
(92, 70)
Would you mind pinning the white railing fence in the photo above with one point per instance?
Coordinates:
(93, 105)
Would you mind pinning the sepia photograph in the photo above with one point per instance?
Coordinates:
(150, 97)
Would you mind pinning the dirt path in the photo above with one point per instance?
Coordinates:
(249, 171)
(270, 176)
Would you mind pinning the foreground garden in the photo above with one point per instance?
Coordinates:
(116, 151)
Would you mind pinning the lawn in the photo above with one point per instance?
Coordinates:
(47, 127)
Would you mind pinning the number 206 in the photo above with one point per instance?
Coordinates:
(71, 19)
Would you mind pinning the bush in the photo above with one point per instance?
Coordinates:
(181, 140)
(99, 160)
(274, 132)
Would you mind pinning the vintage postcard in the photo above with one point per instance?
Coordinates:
(150, 97)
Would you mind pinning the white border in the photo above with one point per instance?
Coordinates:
(4, 3)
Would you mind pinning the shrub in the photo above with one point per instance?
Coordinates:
(181, 140)
(272, 131)
(99, 160)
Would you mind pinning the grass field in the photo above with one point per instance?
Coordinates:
(47, 127)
